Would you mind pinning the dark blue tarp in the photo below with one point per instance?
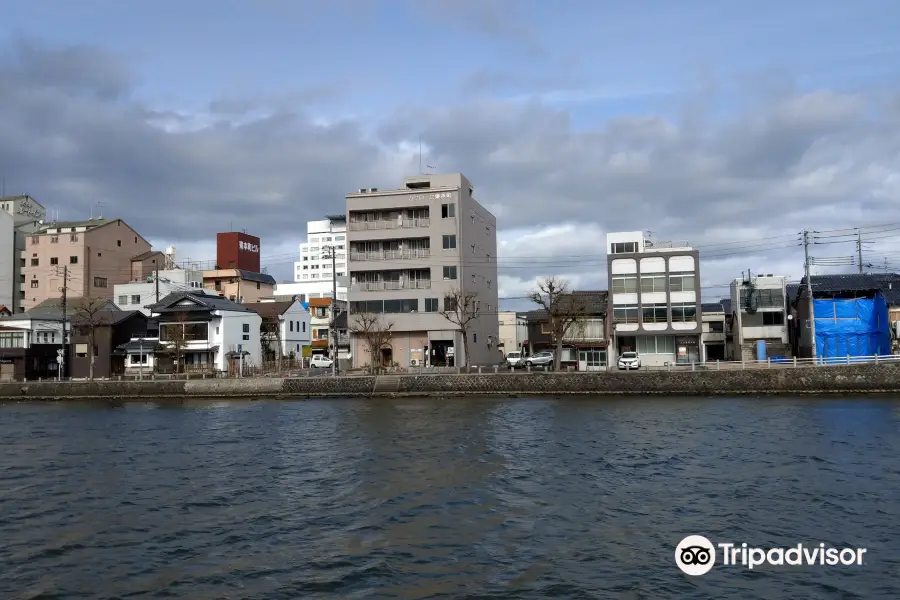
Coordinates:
(853, 327)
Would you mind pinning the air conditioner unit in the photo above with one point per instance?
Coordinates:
(414, 362)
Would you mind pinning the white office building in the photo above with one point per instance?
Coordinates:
(314, 273)
(140, 294)
(654, 294)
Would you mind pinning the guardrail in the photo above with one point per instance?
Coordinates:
(777, 362)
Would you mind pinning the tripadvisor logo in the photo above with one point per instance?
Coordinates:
(696, 555)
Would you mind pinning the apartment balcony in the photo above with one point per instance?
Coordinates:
(404, 223)
(408, 254)
(377, 286)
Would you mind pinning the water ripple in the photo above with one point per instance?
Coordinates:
(413, 499)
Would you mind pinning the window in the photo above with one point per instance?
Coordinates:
(292, 326)
(123, 300)
(35, 283)
(73, 260)
(100, 282)
(34, 262)
(654, 313)
(246, 337)
(474, 337)
(12, 339)
(257, 285)
(35, 240)
(81, 350)
(473, 248)
(246, 327)
(54, 260)
(339, 238)
(656, 344)
(54, 239)
(625, 314)
(626, 284)
(717, 326)
(431, 304)
(682, 283)
(773, 318)
(119, 243)
(401, 306)
(624, 247)
(449, 304)
(449, 242)
(653, 283)
(448, 211)
(135, 298)
(449, 272)
(73, 237)
(489, 284)
(684, 312)
(304, 327)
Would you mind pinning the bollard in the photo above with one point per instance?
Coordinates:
(528, 367)
(876, 359)
(848, 359)
(742, 363)
(496, 369)
(768, 362)
(718, 365)
(479, 369)
(693, 366)
(795, 362)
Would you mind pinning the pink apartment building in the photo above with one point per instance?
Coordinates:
(97, 253)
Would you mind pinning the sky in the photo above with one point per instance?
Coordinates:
(732, 126)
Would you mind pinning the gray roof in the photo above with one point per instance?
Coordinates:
(886, 283)
(726, 305)
(260, 277)
(69, 224)
(712, 307)
(108, 317)
(594, 303)
(203, 301)
(52, 309)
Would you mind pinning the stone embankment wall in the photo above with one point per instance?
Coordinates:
(809, 380)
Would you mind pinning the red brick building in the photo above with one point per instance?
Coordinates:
(237, 250)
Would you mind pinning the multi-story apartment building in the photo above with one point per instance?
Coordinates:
(760, 306)
(97, 254)
(410, 249)
(714, 338)
(323, 336)
(27, 217)
(654, 298)
(315, 272)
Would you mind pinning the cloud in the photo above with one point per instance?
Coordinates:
(74, 131)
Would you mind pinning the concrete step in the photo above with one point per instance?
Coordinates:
(386, 384)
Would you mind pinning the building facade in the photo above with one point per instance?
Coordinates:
(512, 328)
(413, 248)
(237, 250)
(243, 287)
(97, 254)
(141, 292)
(27, 215)
(654, 291)
(714, 342)
(760, 314)
(285, 328)
(315, 272)
(111, 329)
(9, 258)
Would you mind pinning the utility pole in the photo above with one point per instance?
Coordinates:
(859, 251)
(156, 281)
(332, 254)
(812, 316)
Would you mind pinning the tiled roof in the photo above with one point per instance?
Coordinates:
(267, 310)
(205, 302)
(259, 277)
(712, 307)
(106, 317)
(146, 255)
(69, 224)
(52, 308)
(887, 283)
(593, 302)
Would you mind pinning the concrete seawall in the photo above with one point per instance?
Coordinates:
(855, 379)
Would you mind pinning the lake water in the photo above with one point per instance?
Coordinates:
(463, 498)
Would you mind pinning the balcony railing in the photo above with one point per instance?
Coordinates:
(391, 254)
(374, 286)
(404, 223)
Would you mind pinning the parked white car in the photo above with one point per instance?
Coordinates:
(629, 360)
(320, 361)
(515, 359)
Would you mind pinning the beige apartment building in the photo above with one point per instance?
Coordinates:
(238, 285)
(410, 248)
(97, 254)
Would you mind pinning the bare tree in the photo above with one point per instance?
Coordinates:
(270, 334)
(88, 314)
(376, 335)
(461, 309)
(177, 340)
(564, 311)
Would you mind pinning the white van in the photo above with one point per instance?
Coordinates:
(515, 359)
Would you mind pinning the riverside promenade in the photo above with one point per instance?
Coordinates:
(835, 379)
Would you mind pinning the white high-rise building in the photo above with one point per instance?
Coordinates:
(313, 273)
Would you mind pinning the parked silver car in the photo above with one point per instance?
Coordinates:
(540, 359)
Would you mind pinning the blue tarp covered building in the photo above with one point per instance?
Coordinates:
(852, 327)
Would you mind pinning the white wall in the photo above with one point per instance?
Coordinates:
(231, 334)
(309, 289)
(9, 287)
(147, 293)
(294, 341)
